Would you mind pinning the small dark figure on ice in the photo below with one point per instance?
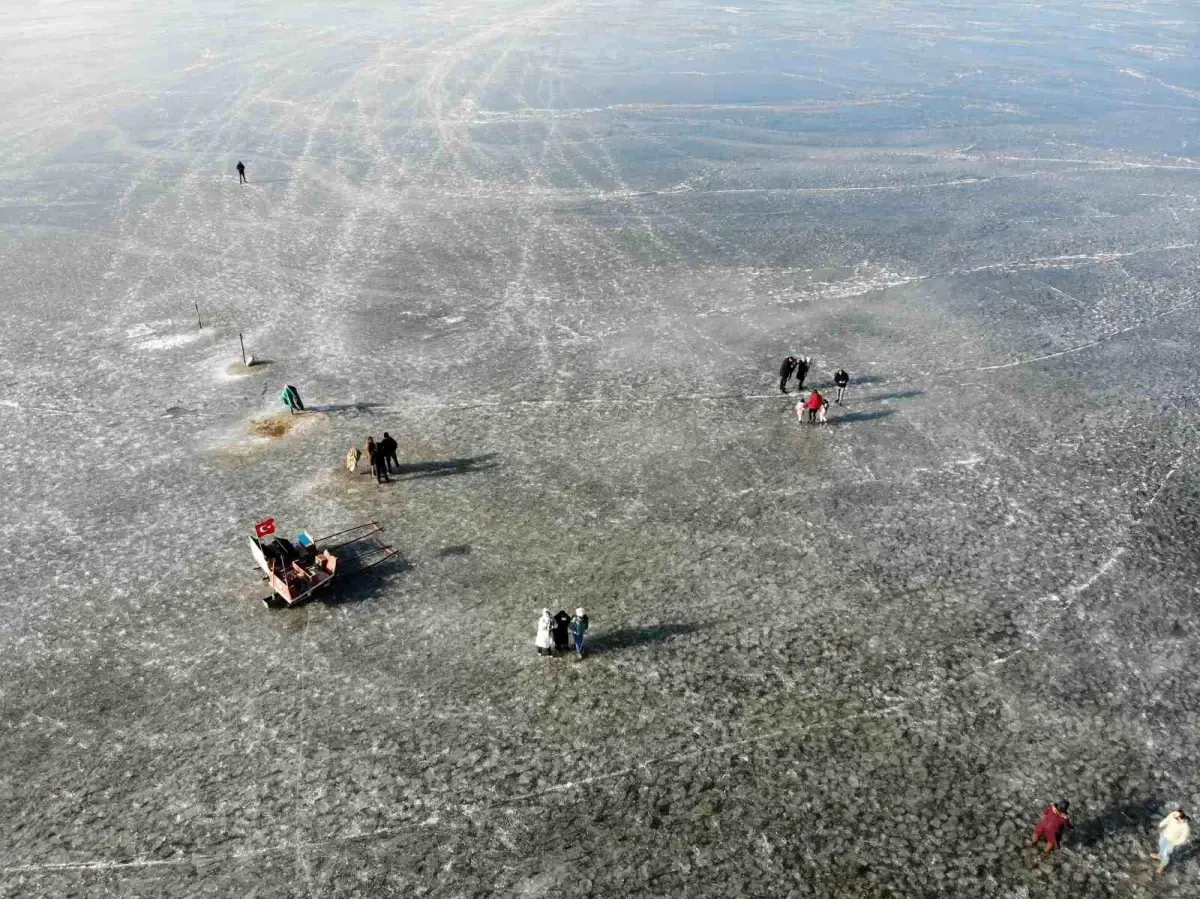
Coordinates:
(241, 172)
(388, 447)
(560, 631)
(841, 380)
(1053, 822)
(785, 372)
(802, 366)
(375, 456)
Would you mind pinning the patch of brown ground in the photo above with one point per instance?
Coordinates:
(272, 425)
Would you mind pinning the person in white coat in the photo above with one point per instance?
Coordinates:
(1173, 831)
(543, 641)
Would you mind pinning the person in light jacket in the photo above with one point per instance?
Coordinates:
(543, 641)
(1173, 831)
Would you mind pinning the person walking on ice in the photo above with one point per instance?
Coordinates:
(785, 372)
(1053, 822)
(1173, 831)
(579, 626)
(823, 412)
(241, 172)
(841, 380)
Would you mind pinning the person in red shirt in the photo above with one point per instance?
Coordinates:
(812, 405)
(1050, 828)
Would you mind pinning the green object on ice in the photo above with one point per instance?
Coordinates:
(291, 398)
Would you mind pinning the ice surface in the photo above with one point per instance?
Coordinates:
(558, 249)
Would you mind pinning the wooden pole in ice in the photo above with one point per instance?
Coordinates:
(243, 343)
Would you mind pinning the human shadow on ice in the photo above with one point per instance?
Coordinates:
(826, 382)
(1141, 815)
(412, 470)
(850, 417)
(633, 637)
(896, 395)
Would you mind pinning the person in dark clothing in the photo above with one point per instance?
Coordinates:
(375, 460)
(578, 627)
(560, 631)
(379, 463)
(841, 380)
(801, 371)
(389, 446)
(241, 172)
(785, 372)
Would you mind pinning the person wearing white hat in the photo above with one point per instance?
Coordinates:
(579, 626)
(543, 640)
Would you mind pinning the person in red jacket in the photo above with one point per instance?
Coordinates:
(813, 404)
(1050, 828)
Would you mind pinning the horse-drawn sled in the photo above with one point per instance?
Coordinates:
(296, 569)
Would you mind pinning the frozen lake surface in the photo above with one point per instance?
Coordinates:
(558, 249)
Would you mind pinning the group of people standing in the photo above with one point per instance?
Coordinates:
(1174, 830)
(793, 365)
(556, 632)
(380, 455)
(814, 408)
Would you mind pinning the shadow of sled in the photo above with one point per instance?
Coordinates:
(851, 417)
(412, 470)
(343, 407)
(368, 585)
(633, 637)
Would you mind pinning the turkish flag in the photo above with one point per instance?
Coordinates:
(264, 528)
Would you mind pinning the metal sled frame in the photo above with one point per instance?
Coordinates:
(347, 552)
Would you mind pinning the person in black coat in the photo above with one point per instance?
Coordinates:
(389, 446)
(841, 380)
(381, 465)
(241, 172)
(785, 372)
(560, 630)
(801, 371)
